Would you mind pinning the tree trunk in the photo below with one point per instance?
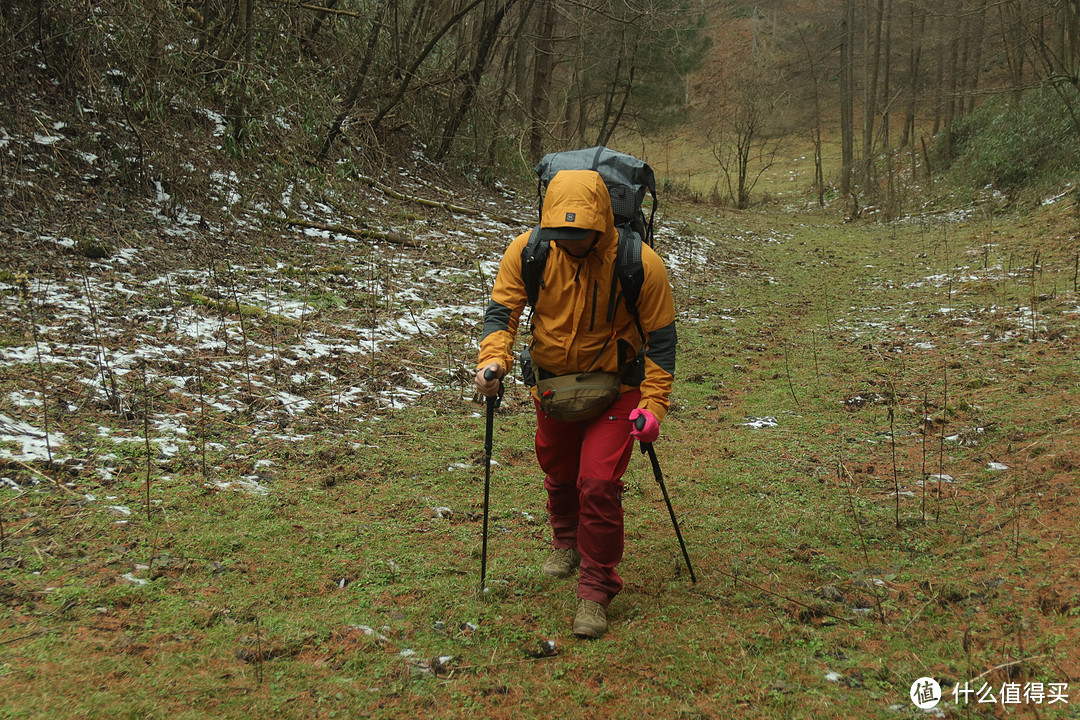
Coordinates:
(815, 132)
(237, 114)
(872, 59)
(410, 73)
(1071, 27)
(521, 64)
(512, 55)
(951, 73)
(847, 96)
(472, 82)
(886, 81)
(609, 126)
(1012, 43)
(974, 71)
(939, 73)
(743, 200)
(358, 82)
(918, 25)
(542, 71)
(962, 43)
(407, 35)
(307, 42)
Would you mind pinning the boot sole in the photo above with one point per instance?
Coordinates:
(589, 634)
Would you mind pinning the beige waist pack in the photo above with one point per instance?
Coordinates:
(582, 396)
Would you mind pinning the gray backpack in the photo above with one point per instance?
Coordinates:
(628, 180)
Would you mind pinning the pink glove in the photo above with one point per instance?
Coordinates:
(646, 427)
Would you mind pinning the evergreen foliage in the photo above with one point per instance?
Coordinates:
(1008, 142)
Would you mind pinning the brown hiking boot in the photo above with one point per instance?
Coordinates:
(562, 562)
(590, 620)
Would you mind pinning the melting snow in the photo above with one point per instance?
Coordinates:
(31, 440)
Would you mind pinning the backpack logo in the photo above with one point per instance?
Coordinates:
(571, 217)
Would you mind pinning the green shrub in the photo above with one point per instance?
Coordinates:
(1007, 144)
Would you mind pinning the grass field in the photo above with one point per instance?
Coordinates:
(872, 453)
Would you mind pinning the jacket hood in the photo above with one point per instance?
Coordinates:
(579, 199)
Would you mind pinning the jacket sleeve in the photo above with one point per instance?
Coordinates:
(503, 312)
(656, 308)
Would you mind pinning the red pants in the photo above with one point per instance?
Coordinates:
(585, 462)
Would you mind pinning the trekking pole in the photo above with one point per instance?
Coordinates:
(493, 403)
(648, 448)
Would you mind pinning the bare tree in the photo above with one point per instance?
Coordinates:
(1013, 42)
(887, 95)
(917, 24)
(871, 68)
(847, 95)
(543, 64)
(484, 45)
(751, 124)
(816, 128)
(347, 105)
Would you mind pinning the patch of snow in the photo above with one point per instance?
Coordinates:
(34, 442)
(26, 399)
(217, 120)
(249, 484)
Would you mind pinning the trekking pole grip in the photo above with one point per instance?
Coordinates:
(495, 400)
(639, 423)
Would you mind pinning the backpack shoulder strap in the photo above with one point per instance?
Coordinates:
(533, 259)
(630, 269)
(626, 282)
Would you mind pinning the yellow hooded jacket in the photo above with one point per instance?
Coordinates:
(579, 308)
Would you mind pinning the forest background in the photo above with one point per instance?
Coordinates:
(870, 92)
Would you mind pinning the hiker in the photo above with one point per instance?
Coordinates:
(581, 324)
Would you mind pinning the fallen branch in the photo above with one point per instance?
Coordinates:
(22, 637)
(365, 233)
(322, 9)
(1008, 665)
(767, 591)
(34, 470)
(419, 200)
(435, 203)
(241, 308)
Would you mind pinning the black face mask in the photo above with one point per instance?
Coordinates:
(583, 255)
